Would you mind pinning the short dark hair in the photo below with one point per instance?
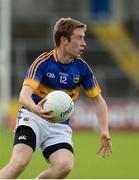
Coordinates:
(64, 27)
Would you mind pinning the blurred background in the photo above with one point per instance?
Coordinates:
(113, 54)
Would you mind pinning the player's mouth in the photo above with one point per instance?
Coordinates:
(81, 51)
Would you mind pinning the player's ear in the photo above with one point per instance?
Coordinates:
(63, 39)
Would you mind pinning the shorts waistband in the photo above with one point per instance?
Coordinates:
(63, 122)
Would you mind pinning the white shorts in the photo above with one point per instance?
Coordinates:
(47, 134)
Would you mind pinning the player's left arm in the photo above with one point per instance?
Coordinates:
(93, 90)
(102, 117)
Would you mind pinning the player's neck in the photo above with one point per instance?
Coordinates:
(63, 57)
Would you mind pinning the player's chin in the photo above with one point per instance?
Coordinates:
(78, 55)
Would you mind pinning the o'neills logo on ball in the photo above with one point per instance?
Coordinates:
(67, 110)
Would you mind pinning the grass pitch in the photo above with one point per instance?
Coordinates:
(122, 164)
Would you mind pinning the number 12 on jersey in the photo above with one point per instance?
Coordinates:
(63, 79)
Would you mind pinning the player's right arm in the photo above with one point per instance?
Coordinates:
(26, 101)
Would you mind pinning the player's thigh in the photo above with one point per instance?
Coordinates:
(24, 144)
(62, 158)
(25, 135)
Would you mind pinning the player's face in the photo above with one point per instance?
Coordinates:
(76, 45)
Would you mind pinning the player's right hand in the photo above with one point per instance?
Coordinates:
(39, 110)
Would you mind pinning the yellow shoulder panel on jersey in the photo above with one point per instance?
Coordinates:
(93, 92)
(31, 82)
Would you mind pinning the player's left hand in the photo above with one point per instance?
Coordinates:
(106, 146)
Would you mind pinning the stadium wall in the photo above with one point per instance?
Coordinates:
(123, 114)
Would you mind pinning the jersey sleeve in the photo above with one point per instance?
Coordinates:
(89, 83)
(34, 74)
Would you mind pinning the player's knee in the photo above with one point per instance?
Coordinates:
(20, 164)
(64, 168)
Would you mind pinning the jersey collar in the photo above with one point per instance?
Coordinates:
(55, 54)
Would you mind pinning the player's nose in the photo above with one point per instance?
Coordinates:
(83, 43)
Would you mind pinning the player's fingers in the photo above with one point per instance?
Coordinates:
(47, 117)
(108, 151)
(100, 149)
(48, 111)
(104, 151)
(44, 113)
(42, 101)
(109, 147)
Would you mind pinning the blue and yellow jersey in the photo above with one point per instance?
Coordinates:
(46, 74)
